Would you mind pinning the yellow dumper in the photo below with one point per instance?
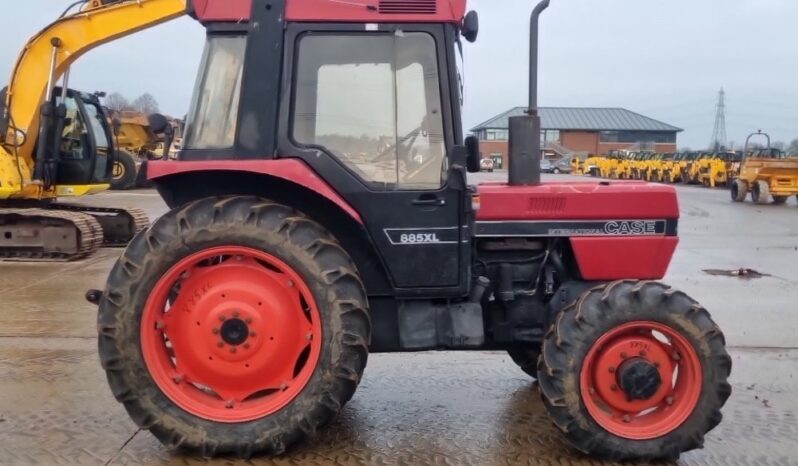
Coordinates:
(766, 173)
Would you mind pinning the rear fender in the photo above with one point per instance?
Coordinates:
(291, 170)
(286, 181)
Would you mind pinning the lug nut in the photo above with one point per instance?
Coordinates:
(222, 318)
(253, 334)
(215, 330)
(614, 387)
(624, 355)
(160, 325)
(178, 378)
(643, 353)
(669, 400)
(656, 365)
(676, 356)
(246, 345)
(232, 349)
(235, 313)
(248, 320)
(229, 404)
(626, 418)
(290, 283)
(592, 390)
(220, 343)
(611, 369)
(309, 336)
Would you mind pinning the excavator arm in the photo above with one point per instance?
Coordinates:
(44, 60)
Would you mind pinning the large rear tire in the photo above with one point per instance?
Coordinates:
(124, 172)
(236, 286)
(634, 371)
(761, 192)
(780, 199)
(739, 189)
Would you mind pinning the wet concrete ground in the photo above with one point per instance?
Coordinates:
(426, 408)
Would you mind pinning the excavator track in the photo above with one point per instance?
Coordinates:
(119, 225)
(43, 234)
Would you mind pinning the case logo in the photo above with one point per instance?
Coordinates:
(631, 228)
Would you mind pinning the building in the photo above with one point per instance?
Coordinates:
(568, 130)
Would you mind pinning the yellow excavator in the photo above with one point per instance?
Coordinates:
(55, 142)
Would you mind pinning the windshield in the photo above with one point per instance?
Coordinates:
(212, 119)
(98, 126)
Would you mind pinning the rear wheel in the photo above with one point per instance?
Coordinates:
(780, 199)
(123, 173)
(739, 189)
(216, 292)
(526, 359)
(761, 192)
(634, 370)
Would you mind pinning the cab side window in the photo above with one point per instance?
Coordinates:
(373, 101)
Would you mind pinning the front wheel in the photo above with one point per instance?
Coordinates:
(739, 189)
(124, 171)
(761, 192)
(233, 326)
(634, 371)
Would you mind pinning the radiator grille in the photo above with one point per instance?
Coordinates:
(546, 204)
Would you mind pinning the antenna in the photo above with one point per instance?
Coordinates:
(718, 141)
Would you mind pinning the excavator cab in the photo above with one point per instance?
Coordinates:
(82, 144)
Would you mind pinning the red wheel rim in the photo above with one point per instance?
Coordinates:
(231, 334)
(660, 346)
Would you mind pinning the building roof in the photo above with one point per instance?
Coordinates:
(585, 119)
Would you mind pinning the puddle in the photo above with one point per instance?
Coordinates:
(742, 272)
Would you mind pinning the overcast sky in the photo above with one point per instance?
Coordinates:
(666, 59)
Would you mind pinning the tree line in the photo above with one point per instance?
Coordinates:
(145, 103)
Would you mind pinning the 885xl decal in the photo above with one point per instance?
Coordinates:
(418, 236)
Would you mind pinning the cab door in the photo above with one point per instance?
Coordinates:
(369, 112)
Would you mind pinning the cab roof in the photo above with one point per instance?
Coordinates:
(351, 11)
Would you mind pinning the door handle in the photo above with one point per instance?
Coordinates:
(429, 201)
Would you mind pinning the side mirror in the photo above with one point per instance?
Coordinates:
(472, 151)
(158, 123)
(471, 26)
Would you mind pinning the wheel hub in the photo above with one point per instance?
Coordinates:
(231, 334)
(234, 331)
(639, 379)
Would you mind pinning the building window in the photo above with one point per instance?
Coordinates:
(498, 160)
(631, 137)
(551, 136)
(496, 135)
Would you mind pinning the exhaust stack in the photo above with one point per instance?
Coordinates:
(524, 169)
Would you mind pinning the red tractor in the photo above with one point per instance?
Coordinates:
(320, 211)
